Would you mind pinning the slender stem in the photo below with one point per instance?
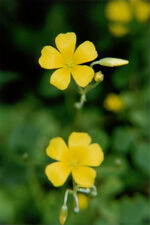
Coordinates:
(75, 188)
(93, 190)
(68, 191)
(83, 92)
(80, 104)
(76, 209)
(92, 86)
(94, 63)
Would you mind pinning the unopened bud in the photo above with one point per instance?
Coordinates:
(63, 214)
(111, 62)
(99, 77)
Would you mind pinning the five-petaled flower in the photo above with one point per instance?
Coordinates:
(75, 159)
(68, 61)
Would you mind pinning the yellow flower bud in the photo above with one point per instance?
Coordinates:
(99, 77)
(63, 214)
(83, 201)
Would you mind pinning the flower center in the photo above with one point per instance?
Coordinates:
(69, 64)
(73, 163)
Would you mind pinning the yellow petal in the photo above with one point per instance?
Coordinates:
(79, 139)
(50, 58)
(82, 75)
(56, 148)
(60, 78)
(84, 176)
(57, 173)
(66, 43)
(94, 156)
(86, 52)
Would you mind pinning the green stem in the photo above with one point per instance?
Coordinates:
(80, 104)
(83, 92)
(94, 63)
(68, 191)
(74, 194)
(75, 188)
(91, 86)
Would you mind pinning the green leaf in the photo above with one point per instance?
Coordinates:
(102, 222)
(51, 208)
(113, 165)
(108, 210)
(90, 118)
(111, 185)
(141, 156)
(121, 139)
(7, 208)
(139, 117)
(133, 210)
(129, 99)
(33, 135)
(100, 137)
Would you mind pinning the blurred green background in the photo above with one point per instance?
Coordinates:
(32, 112)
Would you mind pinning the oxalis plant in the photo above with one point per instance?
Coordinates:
(80, 155)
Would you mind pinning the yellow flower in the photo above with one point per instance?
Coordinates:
(83, 201)
(118, 29)
(141, 10)
(118, 11)
(75, 159)
(67, 60)
(113, 103)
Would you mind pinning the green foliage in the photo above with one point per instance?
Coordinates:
(141, 156)
(101, 137)
(7, 207)
(121, 139)
(129, 207)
